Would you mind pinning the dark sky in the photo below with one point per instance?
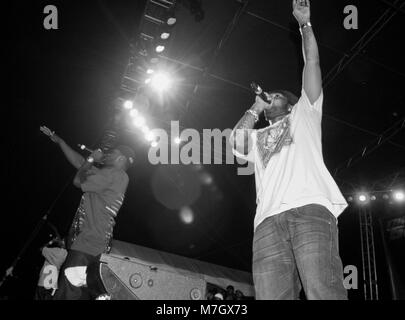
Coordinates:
(68, 79)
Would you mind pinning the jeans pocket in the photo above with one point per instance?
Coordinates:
(316, 212)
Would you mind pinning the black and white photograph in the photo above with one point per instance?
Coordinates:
(204, 154)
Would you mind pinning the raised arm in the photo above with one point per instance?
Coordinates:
(72, 156)
(240, 138)
(312, 78)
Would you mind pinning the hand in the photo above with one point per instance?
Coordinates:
(301, 11)
(260, 105)
(97, 155)
(50, 134)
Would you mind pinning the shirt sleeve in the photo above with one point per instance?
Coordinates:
(317, 105)
(251, 155)
(96, 183)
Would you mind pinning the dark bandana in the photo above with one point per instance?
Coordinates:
(272, 139)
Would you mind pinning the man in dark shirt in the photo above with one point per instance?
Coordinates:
(91, 231)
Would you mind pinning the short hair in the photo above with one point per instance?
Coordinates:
(127, 152)
(291, 97)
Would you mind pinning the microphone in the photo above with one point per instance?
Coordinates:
(97, 163)
(83, 147)
(259, 92)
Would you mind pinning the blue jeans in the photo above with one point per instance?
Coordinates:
(298, 249)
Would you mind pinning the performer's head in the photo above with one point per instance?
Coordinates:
(282, 102)
(121, 157)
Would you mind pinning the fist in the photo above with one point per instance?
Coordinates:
(260, 105)
(301, 11)
(97, 155)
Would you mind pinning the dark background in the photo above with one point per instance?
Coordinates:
(68, 79)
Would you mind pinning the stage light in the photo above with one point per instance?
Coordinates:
(154, 144)
(150, 71)
(128, 104)
(134, 113)
(399, 196)
(177, 140)
(161, 81)
(165, 35)
(139, 121)
(362, 198)
(350, 199)
(160, 48)
(144, 129)
(373, 198)
(386, 196)
(149, 136)
(171, 21)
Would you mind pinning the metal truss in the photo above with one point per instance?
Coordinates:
(368, 255)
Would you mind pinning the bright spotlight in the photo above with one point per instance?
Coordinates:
(144, 129)
(399, 196)
(149, 136)
(177, 140)
(171, 21)
(165, 35)
(139, 121)
(362, 198)
(128, 104)
(160, 48)
(161, 81)
(133, 113)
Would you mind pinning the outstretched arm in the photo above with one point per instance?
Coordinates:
(72, 156)
(312, 77)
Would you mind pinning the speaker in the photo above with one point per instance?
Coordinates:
(130, 279)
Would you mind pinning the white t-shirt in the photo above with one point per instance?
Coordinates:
(295, 174)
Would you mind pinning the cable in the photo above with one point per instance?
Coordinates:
(369, 149)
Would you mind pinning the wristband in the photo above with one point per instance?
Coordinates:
(304, 25)
(52, 135)
(254, 114)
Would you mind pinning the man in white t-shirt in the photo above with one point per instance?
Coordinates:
(295, 242)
